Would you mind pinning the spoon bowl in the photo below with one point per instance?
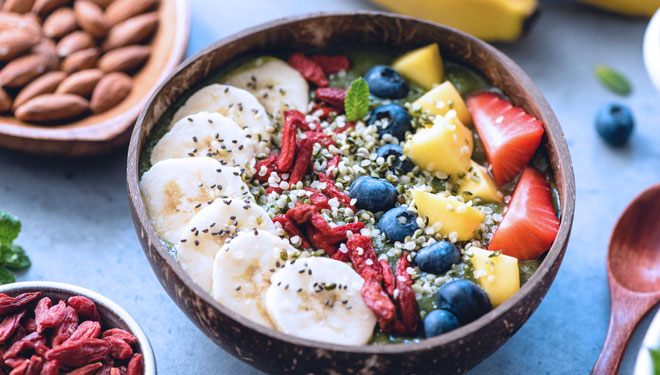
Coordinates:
(633, 271)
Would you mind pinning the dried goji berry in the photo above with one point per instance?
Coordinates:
(300, 213)
(79, 353)
(115, 371)
(332, 191)
(320, 137)
(35, 365)
(51, 368)
(349, 125)
(9, 325)
(340, 256)
(271, 189)
(333, 163)
(118, 348)
(333, 96)
(319, 241)
(392, 326)
(135, 365)
(378, 301)
(388, 276)
(310, 70)
(265, 167)
(288, 144)
(332, 64)
(88, 329)
(85, 307)
(318, 199)
(67, 328)
(30, 325)
(341, 231)
(364, 258)
(303, 160)
(11, 304)
(291, 229)
(408, 309)
(122, 334)
(26, 343)
(325, 111)
(298, 119)
(41, 310)
(52, 318)
(15, 362)
(20, 369)
(402, 275)
(86, 370)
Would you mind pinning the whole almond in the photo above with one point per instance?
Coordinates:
(52, 107)
(18, 6)
(15, 42)
(81, 60)
(11, 21)
(24, 69)
(132, 31)
(46, 47)
(73, 42)
(110, 91)
(91, 18)
(102, 3)
(5, 100)
(43, 7)
(61, 22)
(81, 83)
(124, 59)
(121, 10)
(45, 84)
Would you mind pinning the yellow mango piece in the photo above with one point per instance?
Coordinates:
(444, 147)
(478, 183)
(497, 274)
(454, 216)
(423, 66)
(441, 99)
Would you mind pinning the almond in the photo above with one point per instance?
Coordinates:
(121, 10)
(11, 21)
(125, 58)
(5, 100)
(102, 3)
(46, 6)
(91, 18)
(46, 47)
(61, 22)
(15, 42)
(24, 69)
(73, 42)
(110, 91)
(132, 31)
(52, 107)
(81, 83)
(45, 84)
(80, 60)
(18, 6)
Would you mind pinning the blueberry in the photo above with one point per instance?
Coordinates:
(464, 299)
(373, 194)
(614, 123)
(386, 83)
(438, 322)
(405, 165)
(437, 258)
(398, 223)
(395, 120)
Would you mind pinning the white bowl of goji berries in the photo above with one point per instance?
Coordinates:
(50, 328)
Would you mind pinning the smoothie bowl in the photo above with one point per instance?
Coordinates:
(352, 193)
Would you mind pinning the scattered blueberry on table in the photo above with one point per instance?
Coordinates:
(615, 123)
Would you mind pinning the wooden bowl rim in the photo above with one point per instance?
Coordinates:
(555, 254)
(108, 129)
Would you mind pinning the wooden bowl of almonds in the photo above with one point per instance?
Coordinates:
(74, 74)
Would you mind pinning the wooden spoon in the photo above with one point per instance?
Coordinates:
(633, 271)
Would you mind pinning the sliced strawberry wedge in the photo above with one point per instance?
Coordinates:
(510, 136)
(530, 225)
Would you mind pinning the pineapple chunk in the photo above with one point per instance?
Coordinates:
(496, 273)
(445, 147)
(454, 216)
(442, 99)
(422, 66)
(478, 183)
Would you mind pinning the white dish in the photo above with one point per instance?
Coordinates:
(644, 364)
(652, 49)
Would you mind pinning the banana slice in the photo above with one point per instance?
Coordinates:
(206, 134)
(174, 190)
(319, 299)
(275, 83)
(235, 103)
(242, 271)
(210, 228)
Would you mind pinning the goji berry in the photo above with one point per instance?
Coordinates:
(364, 258)
(35, 366)
(333, 96)
(332, 164)
(122, 334)
(341, 231)
(303, 160)
(288, 144)
(9, 325)
(291, 229)
(342, 257)
(320, 137)
(135, 365)
(41, 310)
(26, 343)
(310, 70)
(402, 275)
(86, 370)
(30, 325)
(331, 191)
(325, 111)
(11, 304)
(116, 371)
(298, 119)
(118, 348)
(319, 241)
(300, 213)
(52, 318)
(51, 368)
(88, 329)
(392, 326)
(378, 301)
(265, 167)
(79, 353)
(349, 125)
(20, 369)
(271, 189)
(388, 277)
(408, 309)
(15, 362)
(318, 199)
(85, 307)
(67, 327)
(332, 64)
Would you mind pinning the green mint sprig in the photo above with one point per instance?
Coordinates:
(356, 103)
(12, 257)
(613, 80)
(655, 357)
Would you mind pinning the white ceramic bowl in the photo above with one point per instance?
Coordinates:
(652, 49)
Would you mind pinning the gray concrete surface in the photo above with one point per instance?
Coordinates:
(77, 228)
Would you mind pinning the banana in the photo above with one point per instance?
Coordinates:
(242, 272)
(235, 103)
(208, 230)
(639, 8)
(174, 190)
(206, 134)
(275, 83)
(319, 299)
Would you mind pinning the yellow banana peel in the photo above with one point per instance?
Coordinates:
(638, 8)
(492, 20)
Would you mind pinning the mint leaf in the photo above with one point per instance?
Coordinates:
(14, 257)
(6, 276)
(356, 103)
(9, 228)
(613, 80)
(655, 357)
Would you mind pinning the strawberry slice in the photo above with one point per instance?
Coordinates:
(510, 135)
(530, 224)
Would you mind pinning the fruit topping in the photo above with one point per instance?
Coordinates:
(464, 299)
(437, 258)
(391, 119)
(398, 223)
(614, 123)
(386, 83)
(373, 194)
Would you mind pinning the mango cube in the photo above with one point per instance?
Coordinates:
(441, 99)
(496, 273)
(477, 183)
(445, 147)
(423, 66)
(453, 216)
